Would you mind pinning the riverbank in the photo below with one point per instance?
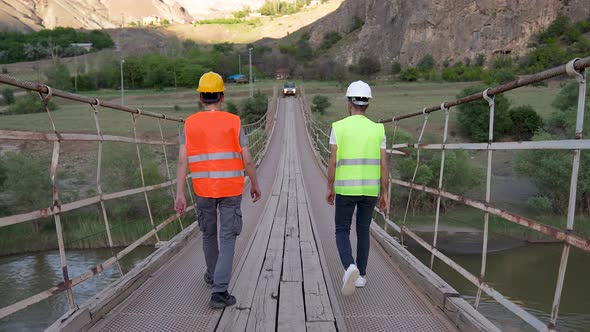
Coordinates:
(87, 233)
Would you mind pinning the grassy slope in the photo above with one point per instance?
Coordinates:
(243, 33)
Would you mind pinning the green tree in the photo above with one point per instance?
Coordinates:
(473, 118)
(426, 63)
(459, 176)
(58, 77)
(525, 122)
(550, 170)
(320, 103)
(410, 74)
(368, 66)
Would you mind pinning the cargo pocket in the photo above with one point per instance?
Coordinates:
(237, 226)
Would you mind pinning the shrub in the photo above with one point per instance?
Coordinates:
(410, 74)
(539, 203)
(473, 118)
(330, 39)
(320, 103)
(499, 76)
(396, 68)
(231, 108)
(567, 98)
(29, 103)
(427, 63)
(4, 70)
(27, 177)
(357, 23)
(8, 95)
(502, 62)
(254, 108)
(480, 60)
(177, 108)
(368, 66)
(525, 122)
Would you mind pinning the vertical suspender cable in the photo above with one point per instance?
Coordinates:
(581, 78)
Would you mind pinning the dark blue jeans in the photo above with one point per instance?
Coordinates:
(345, 206)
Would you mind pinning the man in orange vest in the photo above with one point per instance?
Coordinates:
(215, 147)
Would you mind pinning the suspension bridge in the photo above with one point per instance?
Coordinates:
(287, 273)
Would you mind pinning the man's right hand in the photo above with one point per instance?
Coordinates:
(255, 193)
(180, 205)
(330, 196)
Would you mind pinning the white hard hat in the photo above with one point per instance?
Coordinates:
(360, 92)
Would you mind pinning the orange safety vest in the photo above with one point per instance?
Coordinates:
(212, 141)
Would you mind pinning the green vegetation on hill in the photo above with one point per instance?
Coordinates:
(18, 46)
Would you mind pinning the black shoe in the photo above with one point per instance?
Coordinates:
(208, 280)
(221, 300)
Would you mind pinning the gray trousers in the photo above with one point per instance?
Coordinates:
(219, 255)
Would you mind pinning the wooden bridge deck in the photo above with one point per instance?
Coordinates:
(287, 274)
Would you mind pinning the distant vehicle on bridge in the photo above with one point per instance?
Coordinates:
(238, 78)
(289, 89)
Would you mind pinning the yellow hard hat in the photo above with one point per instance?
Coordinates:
(211, 82)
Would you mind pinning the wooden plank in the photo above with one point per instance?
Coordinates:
(301, 198)
(321, 327)
(317, 301)
(291, 309)
(264, 307)
(305, 230)
(247, 278)
(277, 185)
(292, 257)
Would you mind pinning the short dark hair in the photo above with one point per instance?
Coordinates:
(362, 108)
(210, 98)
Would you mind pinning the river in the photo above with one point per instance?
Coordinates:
(22, 276)
(527, 275)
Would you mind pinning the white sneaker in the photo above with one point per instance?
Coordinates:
(360, 282)
(350, 276)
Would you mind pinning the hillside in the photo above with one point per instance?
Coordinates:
(397, 30)
(27, 15)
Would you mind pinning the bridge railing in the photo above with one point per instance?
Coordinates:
(575, 69)
(258, 134)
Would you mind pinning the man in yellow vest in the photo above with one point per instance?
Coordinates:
(215, 147)
(357, 178)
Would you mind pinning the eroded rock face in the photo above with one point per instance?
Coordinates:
(404, 31)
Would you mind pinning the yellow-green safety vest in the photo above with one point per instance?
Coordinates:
(358, 158)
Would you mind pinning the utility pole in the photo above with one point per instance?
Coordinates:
(76, 69)
(251, 83)
(122, 85)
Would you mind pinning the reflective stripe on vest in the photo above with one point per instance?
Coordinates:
(214, 156)
(358, 158)
(357, 183)
(358, 161)
(217, 175)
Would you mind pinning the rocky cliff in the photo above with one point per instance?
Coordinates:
(27, 15)
(404, 31)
